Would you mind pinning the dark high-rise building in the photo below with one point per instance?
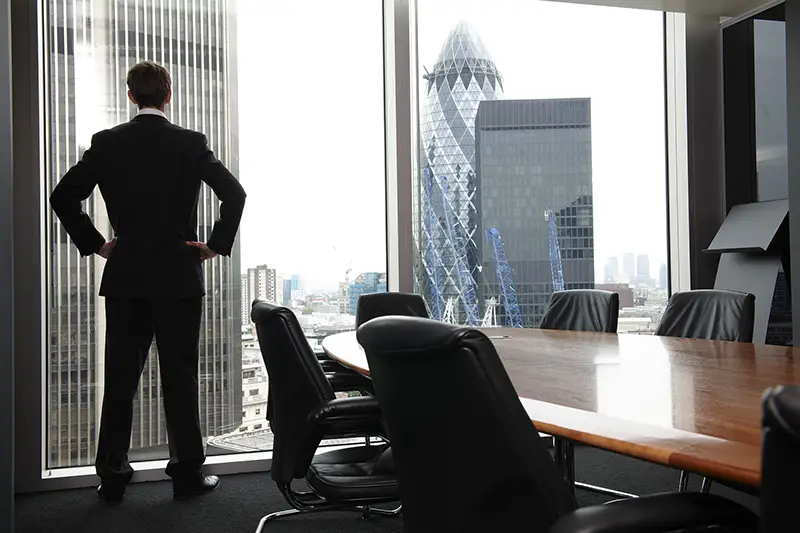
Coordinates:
(445, 211)
(533, 156)
(90, 48)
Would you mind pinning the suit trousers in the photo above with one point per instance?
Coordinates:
(131, 325)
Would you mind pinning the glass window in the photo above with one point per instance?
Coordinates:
(542, 164)
(293, 105)
(772, 158)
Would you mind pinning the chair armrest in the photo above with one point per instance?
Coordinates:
(659, 513)
(348, 417)
(346, 380)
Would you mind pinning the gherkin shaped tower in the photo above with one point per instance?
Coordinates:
(447, 217)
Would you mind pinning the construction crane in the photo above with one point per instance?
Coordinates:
(347, 272)
(556, 269)
(467, 282)
(490, 315)
(432, 261)
(508, 293)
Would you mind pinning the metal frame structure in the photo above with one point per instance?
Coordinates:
(556, 268)
(468, 288)
(507, 291)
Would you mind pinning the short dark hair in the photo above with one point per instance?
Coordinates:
(149, 84)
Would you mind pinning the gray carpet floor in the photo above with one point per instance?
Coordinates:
(242, 499)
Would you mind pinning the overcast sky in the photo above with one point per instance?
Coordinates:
(312, 124)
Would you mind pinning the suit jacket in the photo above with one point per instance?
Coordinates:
(149, 172)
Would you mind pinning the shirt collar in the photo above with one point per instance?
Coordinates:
(152, 111)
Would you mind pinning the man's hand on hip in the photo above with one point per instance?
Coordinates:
(105, 250)
(205, 251)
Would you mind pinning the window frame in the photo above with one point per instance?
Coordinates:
(401, 138)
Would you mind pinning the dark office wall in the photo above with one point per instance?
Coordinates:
(705, 142)
(793, 136)
(6, 279)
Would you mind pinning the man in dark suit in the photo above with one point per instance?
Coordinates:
(149, 172)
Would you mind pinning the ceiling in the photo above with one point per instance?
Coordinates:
(721, 8)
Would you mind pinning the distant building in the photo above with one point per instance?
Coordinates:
(366, 283)
(287, 292)
(245, 302)
(629, 266)
(278, 289)
(254, 392)
(344, 297)
(643, 267)
(611, 270)
(257, 284)
(623, 289)
(532, 156)
(662, 277)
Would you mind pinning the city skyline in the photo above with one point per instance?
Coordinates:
(625, 85)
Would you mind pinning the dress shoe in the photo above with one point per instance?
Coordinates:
(112, 496)
(184, 489)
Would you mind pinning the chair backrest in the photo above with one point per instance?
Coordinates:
(297, 386)
(582, 310)
(389, 303)
(780, 468)
(468, 456)
(709, 314)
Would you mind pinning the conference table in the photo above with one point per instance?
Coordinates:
(690, 404)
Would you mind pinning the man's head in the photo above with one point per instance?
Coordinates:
(149, 85)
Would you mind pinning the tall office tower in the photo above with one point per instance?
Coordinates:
(261, 284)
(611, 270)
(246, 301)
(445, 235)
(629, 266)
(90, 46)
(643, 267)
(663, 281)
(533, 156)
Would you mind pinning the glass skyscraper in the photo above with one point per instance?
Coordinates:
(91, 45)
(446, 218)
(489, 163)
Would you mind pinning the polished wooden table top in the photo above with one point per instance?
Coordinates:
(691, 404)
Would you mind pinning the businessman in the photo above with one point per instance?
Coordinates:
(149, 172)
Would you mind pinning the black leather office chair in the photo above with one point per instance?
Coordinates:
(468, 457)
(342, 379)
(305, 411)
(709, 314)
(780, 467)
(389, 303)
(582, 310)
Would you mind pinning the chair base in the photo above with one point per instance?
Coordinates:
(604, 490)
(365, 511)
(310, 502)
